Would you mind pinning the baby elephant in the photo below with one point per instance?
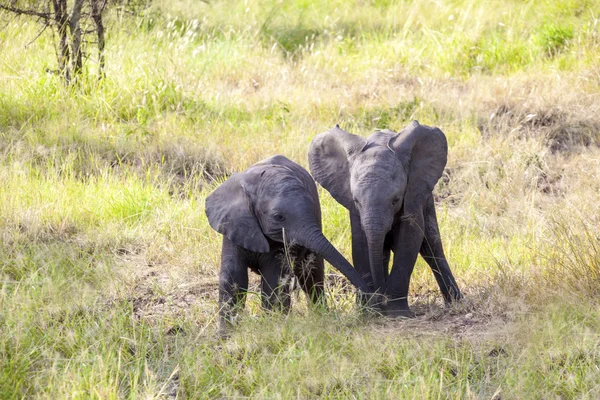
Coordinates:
(386, 181)
(270, 219)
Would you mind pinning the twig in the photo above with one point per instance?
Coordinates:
(21, 11)
(38, 35)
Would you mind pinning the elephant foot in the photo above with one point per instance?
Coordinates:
(452, 296)
(398, 309)
(457, 296)
(224, 330)
(373, 302)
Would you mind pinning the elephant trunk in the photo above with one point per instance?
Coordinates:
(312, 238)
(375, 243)
(375, 230)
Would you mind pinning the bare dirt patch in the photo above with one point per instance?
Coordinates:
(157, 295)
(471, 326)
(150, 301)
(163, 296)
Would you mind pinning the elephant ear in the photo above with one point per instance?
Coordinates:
(328, 161)
(424, 151)
(230, 212)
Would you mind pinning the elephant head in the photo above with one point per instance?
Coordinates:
(273, 201)
(387, 176)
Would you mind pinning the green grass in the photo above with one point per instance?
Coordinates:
(107, 263)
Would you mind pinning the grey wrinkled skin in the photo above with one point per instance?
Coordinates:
(386, 183)
(253, 210)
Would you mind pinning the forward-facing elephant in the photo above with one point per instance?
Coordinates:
(386, 183)
(270, 219)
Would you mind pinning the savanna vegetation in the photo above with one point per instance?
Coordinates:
(108, 267)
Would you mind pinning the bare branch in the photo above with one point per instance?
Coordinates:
(21, 11)
(38, 35)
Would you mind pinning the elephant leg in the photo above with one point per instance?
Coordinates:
(433, 253)
(408, 236)
(360, 259)
(233, 284)
(310, 273)
(275, 286)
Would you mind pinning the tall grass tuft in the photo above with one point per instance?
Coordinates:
(574, 256)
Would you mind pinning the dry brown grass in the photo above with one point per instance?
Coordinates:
(108, 268)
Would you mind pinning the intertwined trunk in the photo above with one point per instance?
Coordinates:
(312, 238)
(375, 243)
(376, 227)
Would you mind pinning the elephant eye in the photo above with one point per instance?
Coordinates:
(395, 201)
(278, 217)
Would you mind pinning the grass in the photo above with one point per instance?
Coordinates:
(108, 266)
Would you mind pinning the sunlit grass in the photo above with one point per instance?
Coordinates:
(108, 266)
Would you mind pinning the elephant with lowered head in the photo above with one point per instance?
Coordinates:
(386, 182)
(270, 219)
